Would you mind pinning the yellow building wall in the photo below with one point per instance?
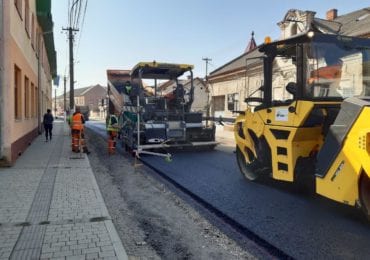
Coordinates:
(19, 51)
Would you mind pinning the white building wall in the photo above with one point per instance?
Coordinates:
(242, 86)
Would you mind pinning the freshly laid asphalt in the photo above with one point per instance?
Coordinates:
(51, 206)
(303, 226)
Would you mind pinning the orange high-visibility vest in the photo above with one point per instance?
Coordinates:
(77, 122)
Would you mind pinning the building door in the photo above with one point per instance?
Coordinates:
(218, 105)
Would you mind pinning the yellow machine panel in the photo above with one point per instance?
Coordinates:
(342, 180)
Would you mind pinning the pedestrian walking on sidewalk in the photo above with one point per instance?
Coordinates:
(48, 124)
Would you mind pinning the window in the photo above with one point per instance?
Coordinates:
(33, 110)
(255, 80)
(26, 97)
(37, 38)
(337, 69)
(232, 101)
(284, 76)
(17, 92)
(36, 100)
(27, 18)
(293, 29)
(218, 103)
(18, 5)
(33, 31)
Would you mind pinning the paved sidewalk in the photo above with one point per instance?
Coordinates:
(51, 206)
(225, 135)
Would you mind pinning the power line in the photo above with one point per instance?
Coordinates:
(82, 26)
(77, 21)
(75, 8)
(71, 18)
(69, 14)
(75, 13)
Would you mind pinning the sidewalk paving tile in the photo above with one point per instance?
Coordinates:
(51, 206)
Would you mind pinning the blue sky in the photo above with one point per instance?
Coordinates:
(117, 34)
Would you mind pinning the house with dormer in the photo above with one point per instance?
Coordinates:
(231, 83)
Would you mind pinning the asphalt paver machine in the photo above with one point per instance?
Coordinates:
(310, 121)
(151, 123)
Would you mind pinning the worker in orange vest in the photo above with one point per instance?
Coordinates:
(77, 130)
(112, 128)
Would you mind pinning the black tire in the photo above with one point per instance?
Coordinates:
(251, 171)
(365, 194)
(304, 178)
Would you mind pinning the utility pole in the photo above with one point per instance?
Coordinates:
(55, 103)
(2, 113)
(71, 71)
(207, 60)
(64, 95)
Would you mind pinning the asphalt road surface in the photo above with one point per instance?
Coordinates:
(303, 226)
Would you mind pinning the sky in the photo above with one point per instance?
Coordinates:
(117, 34)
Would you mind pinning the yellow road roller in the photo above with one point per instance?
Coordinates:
(309, 119)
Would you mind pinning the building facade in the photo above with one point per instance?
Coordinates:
(28, 64)
(91, 96)
(200, 92)
(231, 83)
(200, 95)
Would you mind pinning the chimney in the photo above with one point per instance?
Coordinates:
(331, 14)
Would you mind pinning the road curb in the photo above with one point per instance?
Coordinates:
(115, 239)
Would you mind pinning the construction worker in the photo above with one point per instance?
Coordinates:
(112, 128)
(128, 87)
(77, 130)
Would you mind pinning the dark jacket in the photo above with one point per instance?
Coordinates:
(48, 119)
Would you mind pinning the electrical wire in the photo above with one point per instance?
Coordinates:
(78, 14)
(75, 8)
(82, 26)
(69, 13)
(72, 18)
